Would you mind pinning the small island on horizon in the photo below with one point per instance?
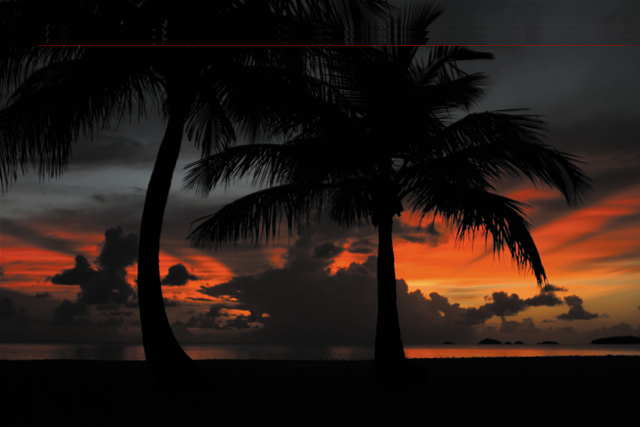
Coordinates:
(628, 339)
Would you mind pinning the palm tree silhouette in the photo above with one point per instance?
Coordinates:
(386, 136)
(60, 93)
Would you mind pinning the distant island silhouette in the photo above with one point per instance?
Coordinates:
(490, 341)
(547, 342)
(629, 339)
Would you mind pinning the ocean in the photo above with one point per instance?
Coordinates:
(37, 351)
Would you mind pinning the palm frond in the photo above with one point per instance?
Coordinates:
(407, 31)
(440, 98)
(207, 123)
(351, 203)
(443, 62)
(258, 217)
(503, 144)
(267, 163)
(59, 102)
(472, 210)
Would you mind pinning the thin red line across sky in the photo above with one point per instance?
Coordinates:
(330, 45)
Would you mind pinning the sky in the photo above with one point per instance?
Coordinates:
(68, 246)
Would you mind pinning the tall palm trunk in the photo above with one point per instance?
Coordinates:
(168, 361)
(389, 352)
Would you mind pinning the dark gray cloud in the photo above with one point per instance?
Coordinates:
(218, 318)
(301, 302)
(429, 234)
(549, 287)
(21, 231)
(509, 22)
(119, 250)
(576, 311)
(99, 197)
(511, 326)
(547, 299)
(178, 276)
(9, 312)
(42, 295)
(80, 274)
(114, 150)
(170, 302)
(107, 285)
(77, 316)
(362, 246)
(327, 251)
(619, 330)
(502, 304)
(70, 308)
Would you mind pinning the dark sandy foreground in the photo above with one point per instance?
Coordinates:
(501, 391)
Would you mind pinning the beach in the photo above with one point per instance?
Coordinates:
(504, 391)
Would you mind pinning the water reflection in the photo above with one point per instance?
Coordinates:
(415, 352)
(71, 351)
(279, 352)
(303, 352)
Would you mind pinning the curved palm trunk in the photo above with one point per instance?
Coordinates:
(168, 361)
(389, 352)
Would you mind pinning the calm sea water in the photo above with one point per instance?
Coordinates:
(303, 352)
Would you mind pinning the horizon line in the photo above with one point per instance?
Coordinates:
(336, 45)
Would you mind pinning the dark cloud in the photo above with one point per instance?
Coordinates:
(47, 320)
(200, 299)
(217, 317)
(18, 230)
(113, 150)
(42, 295)
(119, 250)
(534, 22)
(303, 303)
(120, 313)
(70, 313)
(501, 304)
(362, 246)
(547, 299)
(107, 285)
(511, 326)
(429, 234)
(99, 197)
(170, 302)
(576, 311)
(178, 276)
(69, 308)
(76, 315)
(327, 251)
(619, 330)
(80, 274)
(9, 312)
(553, 288)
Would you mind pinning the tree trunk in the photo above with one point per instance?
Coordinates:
(389, 352)
(170, 364)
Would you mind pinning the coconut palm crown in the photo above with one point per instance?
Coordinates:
(390, 132)
(53, 95)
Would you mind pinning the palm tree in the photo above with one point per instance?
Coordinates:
(392, 131)
(60, 93)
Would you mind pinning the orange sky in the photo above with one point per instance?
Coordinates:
(585, 251)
